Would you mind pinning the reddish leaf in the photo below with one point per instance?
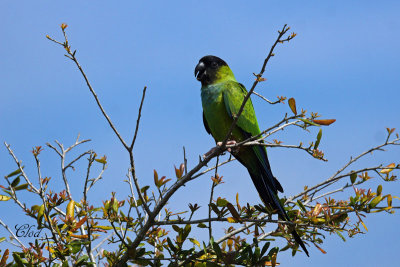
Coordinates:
(4, 258)
(324, 122)
(390, 130)
(156, 182)
(323, 251)
(82, 221)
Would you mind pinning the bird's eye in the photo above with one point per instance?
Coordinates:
(214, 64)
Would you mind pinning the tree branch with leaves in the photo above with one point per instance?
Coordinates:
(143, 228)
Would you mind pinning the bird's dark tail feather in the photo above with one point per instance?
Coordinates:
(269, 197)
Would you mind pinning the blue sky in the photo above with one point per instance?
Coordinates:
(343, 64)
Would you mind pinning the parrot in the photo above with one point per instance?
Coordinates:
(222, 97)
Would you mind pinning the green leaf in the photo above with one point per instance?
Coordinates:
(82, 260)
(176, 228)
(21, 187)
(265, 248)
(375, 202)
(214, 208)
(144, 189)
(257, 253)
(273, 251)
(353, 177)
(319, 135)
(379, 190)
(140, 252)
(40, 215)
(2, 239)
(309, 122)
(75, 247)
(18, 260)
(16, 181)
(221, 202)
(18, 171)
(340, 234)
(187, 229)
(301, 206)
(194, 241)
(233, 211)
(115, 205)
(217, 249)
(171, 245)
(202, 225)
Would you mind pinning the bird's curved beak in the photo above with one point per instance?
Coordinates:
(199, 71)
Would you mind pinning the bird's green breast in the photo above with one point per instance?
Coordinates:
(215, 111)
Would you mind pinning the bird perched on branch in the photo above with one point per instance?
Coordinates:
(222, 97)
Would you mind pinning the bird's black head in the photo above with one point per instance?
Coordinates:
(208, 69)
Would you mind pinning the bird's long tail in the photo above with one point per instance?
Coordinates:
(269, 197)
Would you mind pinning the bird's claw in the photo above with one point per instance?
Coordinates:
(229, 143)
(219, 144)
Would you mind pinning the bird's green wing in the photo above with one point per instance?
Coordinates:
(206, 124)
(234, 95)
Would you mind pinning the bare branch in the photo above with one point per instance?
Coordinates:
(12, 233)
(21, 169)
(138, 119)
(334, 178)
(71, 55)
(258, 79)
(267, 100)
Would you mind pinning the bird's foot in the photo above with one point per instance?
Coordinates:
(230, 143)
(219, 144)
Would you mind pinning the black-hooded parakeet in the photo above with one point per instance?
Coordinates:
(221, 97)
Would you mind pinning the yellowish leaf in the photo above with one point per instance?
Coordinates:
(78, 236)
(364, 225)
(292, 105)
(317, 210)
(231, 220)
(194, 241)
(389, 200)
(388, 168)
(70, 209)
(102, 160)
(4, 198)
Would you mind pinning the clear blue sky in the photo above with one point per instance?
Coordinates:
(344, 64)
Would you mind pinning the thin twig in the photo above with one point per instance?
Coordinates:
(335, 176)
(75, 60)
(257, 80)
(138, 118)
(267, 100)
(12, 233)
(213, 185)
